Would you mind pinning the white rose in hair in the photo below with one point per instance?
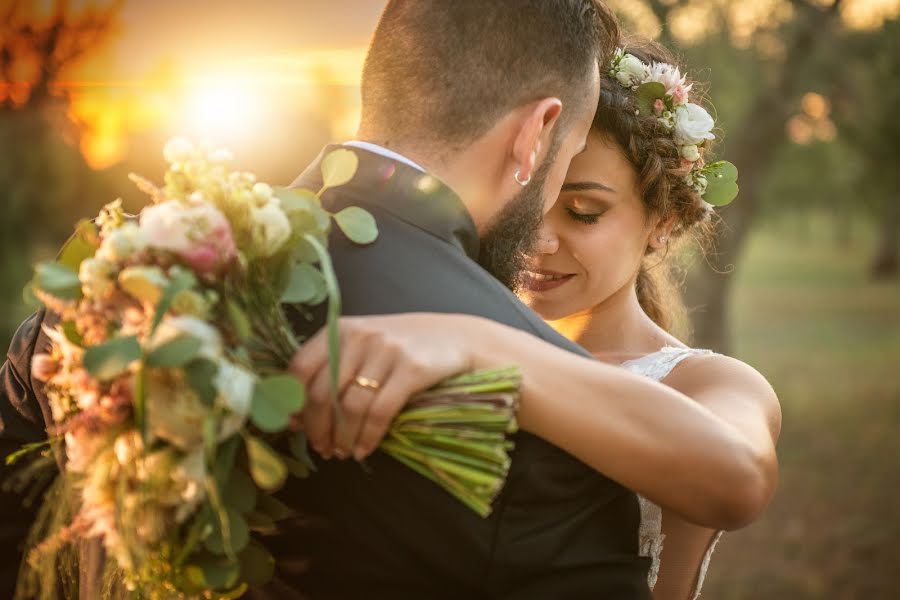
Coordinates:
(631, 71)
(693, 125)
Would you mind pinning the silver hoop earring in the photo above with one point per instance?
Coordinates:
(520, 181)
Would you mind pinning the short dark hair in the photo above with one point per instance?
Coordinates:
(431, 61)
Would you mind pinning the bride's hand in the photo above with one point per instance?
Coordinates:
(385, 360)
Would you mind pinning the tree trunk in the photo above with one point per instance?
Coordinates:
(709, 290)
(887, 259)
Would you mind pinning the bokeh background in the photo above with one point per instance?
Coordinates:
(804, 282)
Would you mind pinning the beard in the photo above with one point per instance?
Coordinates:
(504, 248)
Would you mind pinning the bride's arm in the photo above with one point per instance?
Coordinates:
(702, 446)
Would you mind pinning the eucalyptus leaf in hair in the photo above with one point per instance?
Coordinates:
(721, 178)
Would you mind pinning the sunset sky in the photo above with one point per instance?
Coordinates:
(235, 71)
(217, 69)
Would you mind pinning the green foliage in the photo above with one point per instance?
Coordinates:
(110, 359)
(275, 400)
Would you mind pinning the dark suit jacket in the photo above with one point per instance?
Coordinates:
(558, 530)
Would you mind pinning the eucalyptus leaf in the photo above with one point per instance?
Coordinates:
(266, 467)
(721, 178)
(225, 457)
(200, 374)
(80, 246)
(240, 491)
(214, 572)
(275, 400)
(178, 283)
(110, 359)
(300, 449)
(71, 332)
(338, 167)
(238, 533)
(175, 353)
(273, 508)
(57, 280)
(333, 313)
(257, 564)
(647, 94)
(357, 224)
(305, 284)
(238, 318)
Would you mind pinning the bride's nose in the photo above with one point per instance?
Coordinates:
(548, 242)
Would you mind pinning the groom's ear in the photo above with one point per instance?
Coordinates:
(535, 134)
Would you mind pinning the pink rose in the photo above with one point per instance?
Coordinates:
(197, 232)
(659, 106)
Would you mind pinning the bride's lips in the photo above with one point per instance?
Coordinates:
(543, 280)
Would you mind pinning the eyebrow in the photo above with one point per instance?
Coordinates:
(583, 186)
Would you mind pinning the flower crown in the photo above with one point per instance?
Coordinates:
(661, 90)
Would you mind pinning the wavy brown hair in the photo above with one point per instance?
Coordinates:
(652, 152)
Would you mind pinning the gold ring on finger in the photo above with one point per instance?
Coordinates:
(366, 382)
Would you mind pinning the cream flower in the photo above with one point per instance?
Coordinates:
(690, 152)
(693, 125)
(271, 229)
(95, 276)
(122, 243)
(630, 71)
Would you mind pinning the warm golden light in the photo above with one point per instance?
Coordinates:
(223, 106)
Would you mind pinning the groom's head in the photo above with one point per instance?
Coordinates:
(493, 97)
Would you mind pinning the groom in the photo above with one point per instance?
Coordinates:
(471, 113)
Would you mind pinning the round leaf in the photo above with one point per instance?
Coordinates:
(175, 353)
(240, 492)
(275, 400)
(257, 565)
(305, 284)
(721, 178)
(339, 167)
(266, 467)
(647, 94)
(357, 224)
(238, 533)
(57, 280)
(110, 359)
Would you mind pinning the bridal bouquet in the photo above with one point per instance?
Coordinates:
(167, 382)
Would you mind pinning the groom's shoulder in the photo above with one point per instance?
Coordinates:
(411, 269)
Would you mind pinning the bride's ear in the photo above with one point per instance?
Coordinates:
(661, 233)
(534, 135)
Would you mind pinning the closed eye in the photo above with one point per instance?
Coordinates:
(587, 218)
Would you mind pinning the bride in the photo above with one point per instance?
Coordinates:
(692, 431)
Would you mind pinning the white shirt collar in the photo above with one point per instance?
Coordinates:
(383, 152)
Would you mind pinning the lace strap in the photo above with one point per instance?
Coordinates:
(658, 365)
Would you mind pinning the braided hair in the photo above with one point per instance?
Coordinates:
(651, 150)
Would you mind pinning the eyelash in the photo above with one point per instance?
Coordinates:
(589, 219)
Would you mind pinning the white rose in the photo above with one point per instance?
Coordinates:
(690, 152)
(122, 243)
(164, 226)
(172, 327)
(235, 385)
(95, 276)
(693, 125)
(178, 149)
(632, 71)
(271, 228)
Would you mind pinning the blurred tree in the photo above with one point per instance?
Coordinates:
(43, 177)
(868, 93)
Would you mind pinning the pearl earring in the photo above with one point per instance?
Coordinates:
(662, 239)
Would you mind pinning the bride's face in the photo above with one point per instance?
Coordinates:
(593, 238)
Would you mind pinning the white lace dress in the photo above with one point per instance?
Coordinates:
(657, 366)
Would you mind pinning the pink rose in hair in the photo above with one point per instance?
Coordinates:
(659, 106)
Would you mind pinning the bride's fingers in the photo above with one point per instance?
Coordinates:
(391, 399)
(358, 397)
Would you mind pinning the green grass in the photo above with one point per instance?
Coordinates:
(828, 338)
